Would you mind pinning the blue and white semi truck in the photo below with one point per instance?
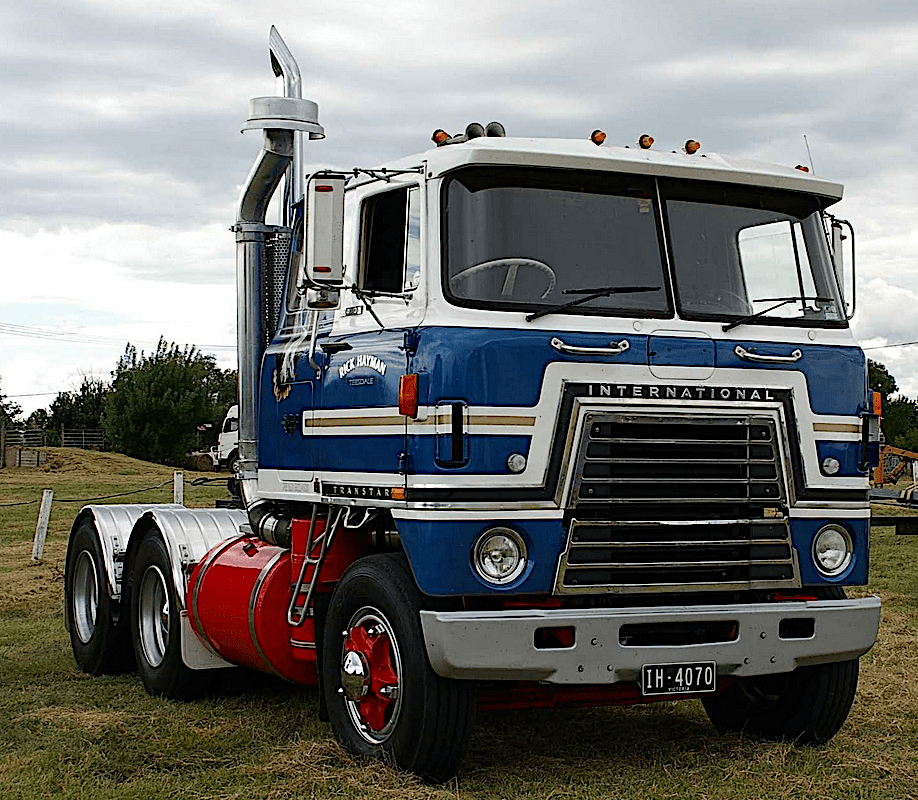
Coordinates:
(523, 422)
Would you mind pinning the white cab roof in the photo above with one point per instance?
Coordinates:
(583, 154)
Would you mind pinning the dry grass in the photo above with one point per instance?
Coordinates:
(63, 734)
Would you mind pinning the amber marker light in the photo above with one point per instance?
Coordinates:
(597, 137)
(408, 395)
(398, 493)
(324, 187)
(802, 168)
(646, 142)
(439, 136)
(692, 147)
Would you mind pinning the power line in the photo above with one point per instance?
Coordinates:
(47, 334)
(884, 346)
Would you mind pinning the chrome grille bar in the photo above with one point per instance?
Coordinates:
(677, 503)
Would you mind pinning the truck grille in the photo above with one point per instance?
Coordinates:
(677, 503)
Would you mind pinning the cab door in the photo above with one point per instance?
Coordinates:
(358, 426)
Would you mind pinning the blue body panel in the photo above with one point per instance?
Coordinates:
(505, 368)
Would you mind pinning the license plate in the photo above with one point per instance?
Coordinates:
(692, 677)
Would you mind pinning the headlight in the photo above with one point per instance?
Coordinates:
(499, 555)
(832, 550)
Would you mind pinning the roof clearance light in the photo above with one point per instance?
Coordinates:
(439, 137)
(692, 147)
(802, 168)
(473, 130)
(646, 142)
(495, 129)
(597, 137)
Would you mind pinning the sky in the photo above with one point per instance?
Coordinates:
(122, 158)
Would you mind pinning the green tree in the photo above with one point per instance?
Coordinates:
(900, 414)
(9, 412)
(157, 401)
(77, 410)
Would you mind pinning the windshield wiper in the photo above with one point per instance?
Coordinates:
(590, 294)
(778, 301)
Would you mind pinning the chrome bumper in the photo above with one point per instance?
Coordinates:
(499, 645)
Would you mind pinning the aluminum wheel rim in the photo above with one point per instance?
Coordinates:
(154, 615)
(371, 618)
(85, 596)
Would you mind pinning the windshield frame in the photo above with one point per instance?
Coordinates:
(692, 190)
(542, 177)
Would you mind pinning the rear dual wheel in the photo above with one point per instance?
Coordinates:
(384, 700)
(156, 626)
(99, 638)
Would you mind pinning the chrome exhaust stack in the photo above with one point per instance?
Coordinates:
(283, 120)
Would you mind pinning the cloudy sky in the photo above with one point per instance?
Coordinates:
(122, 158)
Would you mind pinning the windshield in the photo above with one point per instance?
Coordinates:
(538, 239)
(738, 251)
(533, 239)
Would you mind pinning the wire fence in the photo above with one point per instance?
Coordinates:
(195, 482)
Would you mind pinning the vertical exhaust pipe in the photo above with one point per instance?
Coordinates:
(285, 67)
(282, 120)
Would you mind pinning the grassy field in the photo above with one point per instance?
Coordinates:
(63, 734)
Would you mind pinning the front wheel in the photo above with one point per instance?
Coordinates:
(807, 706)
(384, 700)
(156, 623)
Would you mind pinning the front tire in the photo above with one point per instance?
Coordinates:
(384, 701)
(156, 626)
(806, 706)
(101, 646)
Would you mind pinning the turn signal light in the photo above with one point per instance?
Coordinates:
(692, 147)
(439, 136)
(802, 168)
(645, 142)
(597, 137)
(877, 404)
(408, 395)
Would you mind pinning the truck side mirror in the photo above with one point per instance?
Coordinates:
(839, 237)
(324, 239)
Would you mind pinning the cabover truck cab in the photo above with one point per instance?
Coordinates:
(523, 422)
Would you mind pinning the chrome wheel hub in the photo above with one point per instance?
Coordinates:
(154, 616)
(355, 676)
(371, 674)
(85, 598)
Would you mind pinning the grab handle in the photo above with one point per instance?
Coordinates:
(746, 355)
(614, 348)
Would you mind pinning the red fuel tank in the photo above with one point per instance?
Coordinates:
(237, 603)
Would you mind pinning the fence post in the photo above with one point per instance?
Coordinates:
(41, 530)
(178, 488)
(2, 446)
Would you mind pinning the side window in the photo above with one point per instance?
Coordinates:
(390, 253)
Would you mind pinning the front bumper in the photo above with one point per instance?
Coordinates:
(500, 645)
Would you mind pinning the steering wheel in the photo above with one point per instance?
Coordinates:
(512, 265)
(722, 294)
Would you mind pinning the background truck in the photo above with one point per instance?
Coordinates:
(522, 423)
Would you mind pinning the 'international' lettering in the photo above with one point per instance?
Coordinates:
(730, 394)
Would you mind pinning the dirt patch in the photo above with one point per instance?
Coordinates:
(85, 719)
(25, 582)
